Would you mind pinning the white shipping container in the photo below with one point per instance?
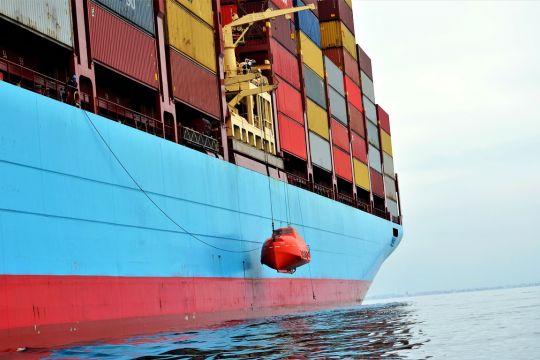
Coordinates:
(374, 156)
(388, 162)
(51, 18)
(370, 110)
(392, 207)
(390, 187)
(320, 152)
(367, 86)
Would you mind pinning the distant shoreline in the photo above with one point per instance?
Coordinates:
(439, 292)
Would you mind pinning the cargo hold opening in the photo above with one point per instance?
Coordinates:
(127, 101)
(32, 61)
(196, 129)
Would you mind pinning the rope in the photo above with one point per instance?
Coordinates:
(153, 202)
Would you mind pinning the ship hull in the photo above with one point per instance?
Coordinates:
(86, 254)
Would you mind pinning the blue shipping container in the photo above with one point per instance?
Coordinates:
(308, 23)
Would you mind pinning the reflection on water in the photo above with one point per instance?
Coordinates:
(497, 324)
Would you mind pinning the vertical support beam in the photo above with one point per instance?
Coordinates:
(165, 101)
(221, 78)
(81, 61)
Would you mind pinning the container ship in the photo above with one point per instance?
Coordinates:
(149, 148)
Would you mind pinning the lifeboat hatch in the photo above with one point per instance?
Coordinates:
(285, 251)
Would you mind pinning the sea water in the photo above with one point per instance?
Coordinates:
(490, 324)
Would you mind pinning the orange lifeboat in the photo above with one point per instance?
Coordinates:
(285, 251)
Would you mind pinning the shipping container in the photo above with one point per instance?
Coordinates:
(292, 137)
(373, 135)
(384, 119)
(340, 136)
(284, 64)
(311, 54)
(140, 13)
(227, 12)
(289, 101)
(369, 110)
(283, 4)
(390, 188)
(317, 119)
(130, 51)
(388, 163)
(386, 142)
(314, 87)
(190, 35)
(338, 106)
(345, 62)
(330, 10)
(354, 95)
(392, 206)
(51, 18)
(356, 119)
(314, 2)
(282, 29)
(307, 22)
(377, 182)
(342, 164)
(349, 2)
(367, 86)
(334, 76)
(201, 8)
(194, 85)
(359, 148)
(320, 152)
(364, 62)
(335, 34)
(374, 156)
(361, 175)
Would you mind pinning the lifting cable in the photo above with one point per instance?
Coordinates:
(263, 121)
(154, 203)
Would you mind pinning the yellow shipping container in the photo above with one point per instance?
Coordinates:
(201, 8)
(189, 35)
(311, 54)
(361, 174)
(386, 142)
(317, 119)
(336, 34)
(349, 2)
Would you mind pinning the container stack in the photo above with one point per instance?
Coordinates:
(192, 55)
(388, 163)
(339, 46)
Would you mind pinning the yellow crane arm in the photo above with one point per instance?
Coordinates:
(243, 93)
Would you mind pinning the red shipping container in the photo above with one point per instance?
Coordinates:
(354, 94)
(384, 119)
(284, 64)
(283, 31)
(194, 85)
(289, 101)
(345, 62)
(283, 4)
(359, 147)
(356, 120)
(227, 12)
(130, 51)
(340, 135)
(342, 164)
(364, 62)
(330, 10)
(377, 182)
(292, 136)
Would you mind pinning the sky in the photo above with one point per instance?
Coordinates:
(461, 82)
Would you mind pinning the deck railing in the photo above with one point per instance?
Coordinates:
(129, 117)
(199, 139)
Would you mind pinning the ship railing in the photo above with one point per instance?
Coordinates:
(363, 206)
(298, 181)
(199, 139)
(380, 213)
(129, 117)
(346, 199)
(396, 219)
(323, 190)
(32, 80)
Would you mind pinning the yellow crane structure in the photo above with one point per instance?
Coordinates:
(248, 92)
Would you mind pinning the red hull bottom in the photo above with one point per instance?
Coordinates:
(47, 311)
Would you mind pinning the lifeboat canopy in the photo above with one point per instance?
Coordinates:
(285, 250)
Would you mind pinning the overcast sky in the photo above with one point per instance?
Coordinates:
(461, 82)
